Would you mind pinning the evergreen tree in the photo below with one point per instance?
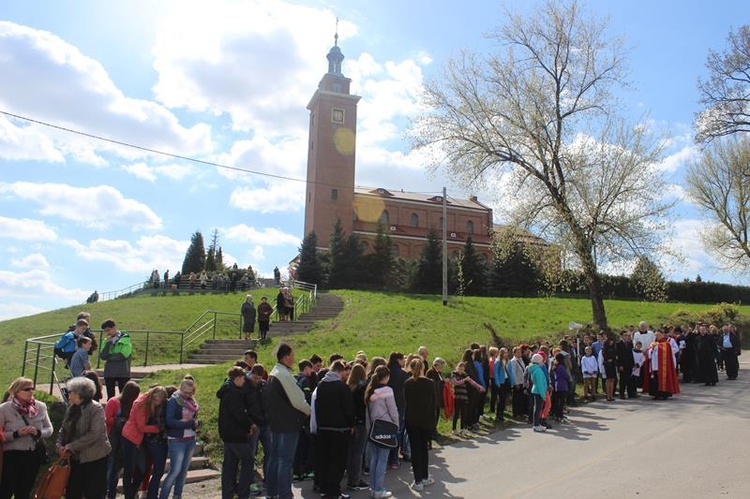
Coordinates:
(211, 260)
(473, 270)
(514, 272)
(310, 268)
(429, 274)
(381, 262)
(220, 260)
(338, 257)
(648, 281)
(195, 256)
(354, 273)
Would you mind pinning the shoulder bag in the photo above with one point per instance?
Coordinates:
(56, 480)
(384, 433)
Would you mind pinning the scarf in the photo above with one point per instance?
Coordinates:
(26, 408)
(186, 402)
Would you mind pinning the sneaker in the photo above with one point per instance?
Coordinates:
(454, 432)
(539, 429)
(381, 494)
(256, 489)
(417, 486)
(359, 486)
(394, 466)
(428, 481)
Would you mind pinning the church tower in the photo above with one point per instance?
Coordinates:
(330, 154)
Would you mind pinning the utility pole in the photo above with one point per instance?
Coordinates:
(445, 249)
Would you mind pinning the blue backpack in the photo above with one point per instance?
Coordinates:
(66, 345)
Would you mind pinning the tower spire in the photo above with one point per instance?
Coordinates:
(336, 36)
(335, 57)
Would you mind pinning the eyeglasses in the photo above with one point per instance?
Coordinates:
(27, 389)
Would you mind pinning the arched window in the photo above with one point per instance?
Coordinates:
(394, 250)
(470, 227)
(441, 223)
(384, 217)
(364, 246)
(414, 220)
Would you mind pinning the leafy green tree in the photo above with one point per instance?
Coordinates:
(428, 277)
(648, 281)
(220, 260)
(211, 259)
(310, 268)
(195, 256)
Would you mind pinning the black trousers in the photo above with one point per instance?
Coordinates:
(502, 398)
(333, 452)
(731, 363)
(519, 401)
(110, 384)
(626, 383)
(88, 480)
(418, 438)
(263, 327)
(19, 472)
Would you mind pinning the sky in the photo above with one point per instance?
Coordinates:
(226, 83)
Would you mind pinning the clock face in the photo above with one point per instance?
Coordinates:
(337, 115)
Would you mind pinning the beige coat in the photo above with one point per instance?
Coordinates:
(91, 442)
(11, 421)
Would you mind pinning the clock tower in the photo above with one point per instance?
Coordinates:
(331, 152)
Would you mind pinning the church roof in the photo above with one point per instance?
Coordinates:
(427, 198)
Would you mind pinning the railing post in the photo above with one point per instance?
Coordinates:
(145, 357)
(101, 345)
(52, 373)
(182, 345)
(36, 366)
(25, 353)
(214, 325)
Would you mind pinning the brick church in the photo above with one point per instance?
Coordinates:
(331, 193)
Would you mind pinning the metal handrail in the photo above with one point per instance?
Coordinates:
(111, 295)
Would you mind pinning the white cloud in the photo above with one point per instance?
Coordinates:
(71, 89)
(219, 57)
(33, 284)
(677, 160)
(152, 173)
(146, 254)
(26, 143)
(266, 237)
(94, 207)
(33, 261)
(277, 197)
(257, 253)
(25, 229)
(15, 309)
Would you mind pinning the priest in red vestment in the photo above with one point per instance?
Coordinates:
(662, 372)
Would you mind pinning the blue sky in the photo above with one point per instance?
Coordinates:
(227, 82)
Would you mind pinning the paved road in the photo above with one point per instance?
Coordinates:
(694, 445)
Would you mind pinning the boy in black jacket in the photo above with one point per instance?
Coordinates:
(334, 415)
(235, 426)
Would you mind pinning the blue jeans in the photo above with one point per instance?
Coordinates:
(236, 455)
(262, 436)
(180, 454)
(157, 449)
(393, 455)
(279, 480)
(356, 450)
(378, 464)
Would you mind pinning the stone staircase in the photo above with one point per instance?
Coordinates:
(219, 351)
(200, 469)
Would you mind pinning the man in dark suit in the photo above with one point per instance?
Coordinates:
(729, 345)
(625, 363)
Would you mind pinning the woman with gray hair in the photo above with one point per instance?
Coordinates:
(83, 434)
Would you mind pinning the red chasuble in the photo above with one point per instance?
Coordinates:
(667, 381)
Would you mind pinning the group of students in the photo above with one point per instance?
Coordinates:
(322, 417)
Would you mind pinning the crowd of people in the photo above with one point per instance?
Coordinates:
(333, 421)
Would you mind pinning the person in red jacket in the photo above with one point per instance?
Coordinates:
(147, 406)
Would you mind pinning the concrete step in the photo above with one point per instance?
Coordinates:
(197, 463)
(220, 351)
(238, 343)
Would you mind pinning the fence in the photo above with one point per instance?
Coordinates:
(149, 346)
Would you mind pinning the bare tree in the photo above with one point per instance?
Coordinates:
(540, 114)
(718, 183)
(726, 92)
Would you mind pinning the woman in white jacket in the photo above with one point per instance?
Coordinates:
(381, 404)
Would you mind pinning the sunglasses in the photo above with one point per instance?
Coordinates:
(27, 389)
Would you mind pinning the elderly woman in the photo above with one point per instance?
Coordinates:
(83, 434)
(24, 424)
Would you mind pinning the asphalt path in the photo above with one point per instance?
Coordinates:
(692, 445)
